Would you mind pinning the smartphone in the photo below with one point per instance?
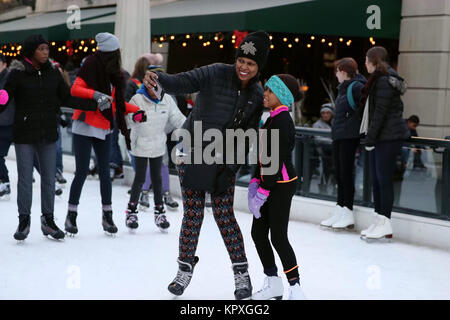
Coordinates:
(158, 91)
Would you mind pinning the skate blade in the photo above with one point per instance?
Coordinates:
(348, 228)
(325, 227)
(164, 231)
(70, 235)
(111, 235)
(132, 230)
(49, 237)
(385, 239)
(20, 242)
(144, 209)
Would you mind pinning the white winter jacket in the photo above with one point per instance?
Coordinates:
(148, 139)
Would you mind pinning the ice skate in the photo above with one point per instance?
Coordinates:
(371, 227)
(71, 224)
(58, 190)
(242, 281)
(170, 203)
(296, 293)
(381, 232)
(144, 202)
(131, 219)
(5, 191)
(346, 220)
(326, 224)
(92, 173)
(272, 289)
(50, 229)
(108, 224)
(23, 229)
(60, 179)
(161, 219)
(183, 278)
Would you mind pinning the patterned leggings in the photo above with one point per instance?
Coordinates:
(194, 205)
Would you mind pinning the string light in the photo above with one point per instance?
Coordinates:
(184, 44)
(172, 37)
(341, 39)
(290, 45)
(188, 36)
(323, 40)
(272, 46)
(221, 46)
(270, 37)
(330, 44)
(297, 40)
(312, 37)
(161, 39)
(200, 37)
(285, 39)
(308, 45)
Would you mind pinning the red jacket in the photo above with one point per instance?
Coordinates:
(95, 118)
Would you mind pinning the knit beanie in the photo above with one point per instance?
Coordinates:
(255, 46)
(31, 43)
(327, 107)
(285, 87)
(107, 42)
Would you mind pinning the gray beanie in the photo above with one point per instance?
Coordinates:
(327, 107)
(107, 42)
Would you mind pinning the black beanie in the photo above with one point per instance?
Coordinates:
(255, 46)
(31, 43)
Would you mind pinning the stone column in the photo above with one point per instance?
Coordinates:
(424, 62)
(133, 30)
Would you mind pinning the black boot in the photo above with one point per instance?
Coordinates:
(49, 228)
(132, 220)
(23, 229)
(108, 223)
(183, 278)
(242, 281)
(71, 223)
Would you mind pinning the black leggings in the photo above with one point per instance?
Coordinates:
(275, 218)
(139, 178)
(82, 146)
(382, 162)
(344, 162)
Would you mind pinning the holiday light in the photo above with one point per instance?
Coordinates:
(200, 37)
(184, 44)
(297, 40)
(172, 37)
(308, 45)
(312, 37)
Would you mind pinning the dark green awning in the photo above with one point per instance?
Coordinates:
(328, 17)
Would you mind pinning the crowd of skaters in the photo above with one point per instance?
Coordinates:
(229, 97)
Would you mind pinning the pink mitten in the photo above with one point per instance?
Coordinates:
(4, 97)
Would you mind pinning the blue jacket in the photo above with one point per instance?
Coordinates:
(347, 121)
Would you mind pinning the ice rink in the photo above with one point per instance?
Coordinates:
(141, 265)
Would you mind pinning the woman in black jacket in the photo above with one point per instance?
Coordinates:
(385, 132)
(229, 98)
(346, 136)
(39, 90)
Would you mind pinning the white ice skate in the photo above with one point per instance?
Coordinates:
(334, 218)
(371, 227)
(296, 293)
(381, 231)
(346, 220)
(5, 191)
(272, 289)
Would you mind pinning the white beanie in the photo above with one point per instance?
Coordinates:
(327, 107)
(107, 42)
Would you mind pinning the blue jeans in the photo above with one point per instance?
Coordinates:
(45, 153)
(5, 143)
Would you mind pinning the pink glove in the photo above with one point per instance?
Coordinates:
(139, 116)
(258, 201)
(4, 97)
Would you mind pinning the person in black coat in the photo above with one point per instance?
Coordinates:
(385, 132)
(229, 98)
(346, 137)
(39, 90)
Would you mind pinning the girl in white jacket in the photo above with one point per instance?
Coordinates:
(148, 144)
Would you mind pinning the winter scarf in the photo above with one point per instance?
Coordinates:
(94, 74)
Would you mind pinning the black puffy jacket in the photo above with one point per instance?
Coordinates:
(386, 112)
(346, 120)
(38, 95)
(220, 101)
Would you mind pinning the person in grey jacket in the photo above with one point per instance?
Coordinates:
(6, 130)
(229, 98)
(148, 146)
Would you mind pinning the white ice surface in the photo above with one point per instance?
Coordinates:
(140, 266)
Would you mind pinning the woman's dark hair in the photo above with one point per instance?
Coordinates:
(348, 65)
(378, 56)
(140, 68)
(292, 84)
(112, 61)
(414, 119)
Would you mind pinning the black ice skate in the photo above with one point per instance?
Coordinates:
(60, 178)
(58, 190)
(108, 224)
(161, 219)
(23, 229)
(183, 278)
(49, 227)
(242, 281)
(170, 203)
(132, 218)
(71, 223)
(144, 203)
(5, 191)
